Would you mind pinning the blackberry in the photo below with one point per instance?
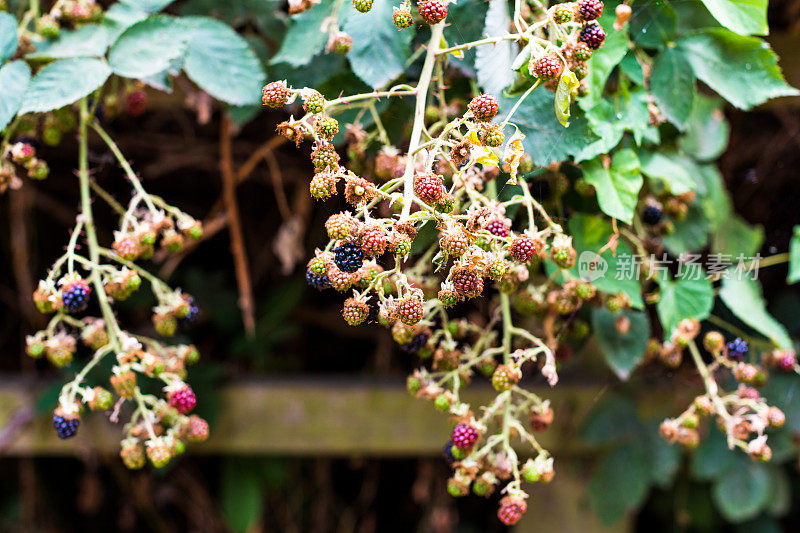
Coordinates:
(523, 248)
(65, 427)
(362, 6)
(432, 11)
(484, 107)
(327, 128)
(401, 16)
(593, 35)
(182, 399)
(737, 349)
(492, 135)
(590, 9)
(511, 510)
(428, 187)
(318, 281)
(652, 215)
(275, 94)
(75, 296)
(548, 67)
(563, 13)
(191, 314)
(348, 257)
(464, 436)
(497, 227)
(447, 453)
(416, 344)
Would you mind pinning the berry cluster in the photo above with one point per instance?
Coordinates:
(17, 159)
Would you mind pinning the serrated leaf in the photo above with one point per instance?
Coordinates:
(620, 483)
(221, 62)
(622, 351)
(148, 6)
(683, 298)
(743, 70)
(494, 63)
(91, 40)
(566, 84)
(653, 24)
(743, 490)
(794, 257)
(8, 36)
(666, 167)
(63, 82)
(305, 37)
(630, 67)
(601, 64)
(737, 237)
(707, 129)
(465, 23)
(149, 47)
(546, 139)
(14, 79)
(380, 50)
(745, 17)
(119, 18)
(618, 186)
(743, 297)
(672, 86)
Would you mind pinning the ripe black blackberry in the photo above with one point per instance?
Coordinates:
(348, 257)
(75, 296)
(415, 344)
(65, 427)
(593, 35)
(652, 215)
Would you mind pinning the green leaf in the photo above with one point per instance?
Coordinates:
(653, 24)
(794, 255)
(612, 420)
(620, 483)
(149, 6)
(631, 67)
(119, 18)
(693, 16)
(63, 82)
(713, 458)
(743, 297)
(743, 490)
(683, 298)
(91, 40)
(546, 139)
(743, 70)
(664, 458)
(305, 37)
(241, 494)
(220, 61)
(783, 391)
(617, 186)
(737, 237)
(666, 167)
(780, 496)
(465, 23)
(149, 47)
(14, 79)
(672, 86)
(379, 50)
(589, 234)
(707, 130)
(493, 62)
(8, 36)
(690, 233)
(715, 200)
(601, 64)
(745, 17)
(621, 351)
(566, 84)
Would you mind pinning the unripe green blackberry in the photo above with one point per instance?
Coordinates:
(313, 102)
(402, 18)
(102, 400)
(38, 169)
(326, 128)
(275, 94)
(362, 6)
(48, 27)
(159, 453)
(413, 384)
(581, 52)
(505, 377)
(323, 184)
(342, 43)
(581, 70)
(324, 156)
(491, 134)
(563, 13)
(442, 402)
(448, 295)
(132, 455)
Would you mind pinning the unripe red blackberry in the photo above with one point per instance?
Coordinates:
(341, 226)
(484, 107)
(340, 280)
(326, 127)
(548, 67)
(324, 155)
(593, 35)
(373, 240)
(511, 510)
(428, 187)
(589, 9)
(432, 11)
(410, 310)
(127, 247)
(496, 227)
(182, 398)
(323, 184)
(132, 455)
(402, 18)
(197, 429)
(505, 377)
(313, 101)
(491, 135)
(355, 311)
(22, 153)
(467, 281)
(275, 94)
(464, 436)
(523, 248)
(362, 6)
(136, 102)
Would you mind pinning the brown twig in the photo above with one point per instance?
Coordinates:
(235, 227)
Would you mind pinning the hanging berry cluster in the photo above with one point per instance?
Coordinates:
(499, 249)
(88, 278)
